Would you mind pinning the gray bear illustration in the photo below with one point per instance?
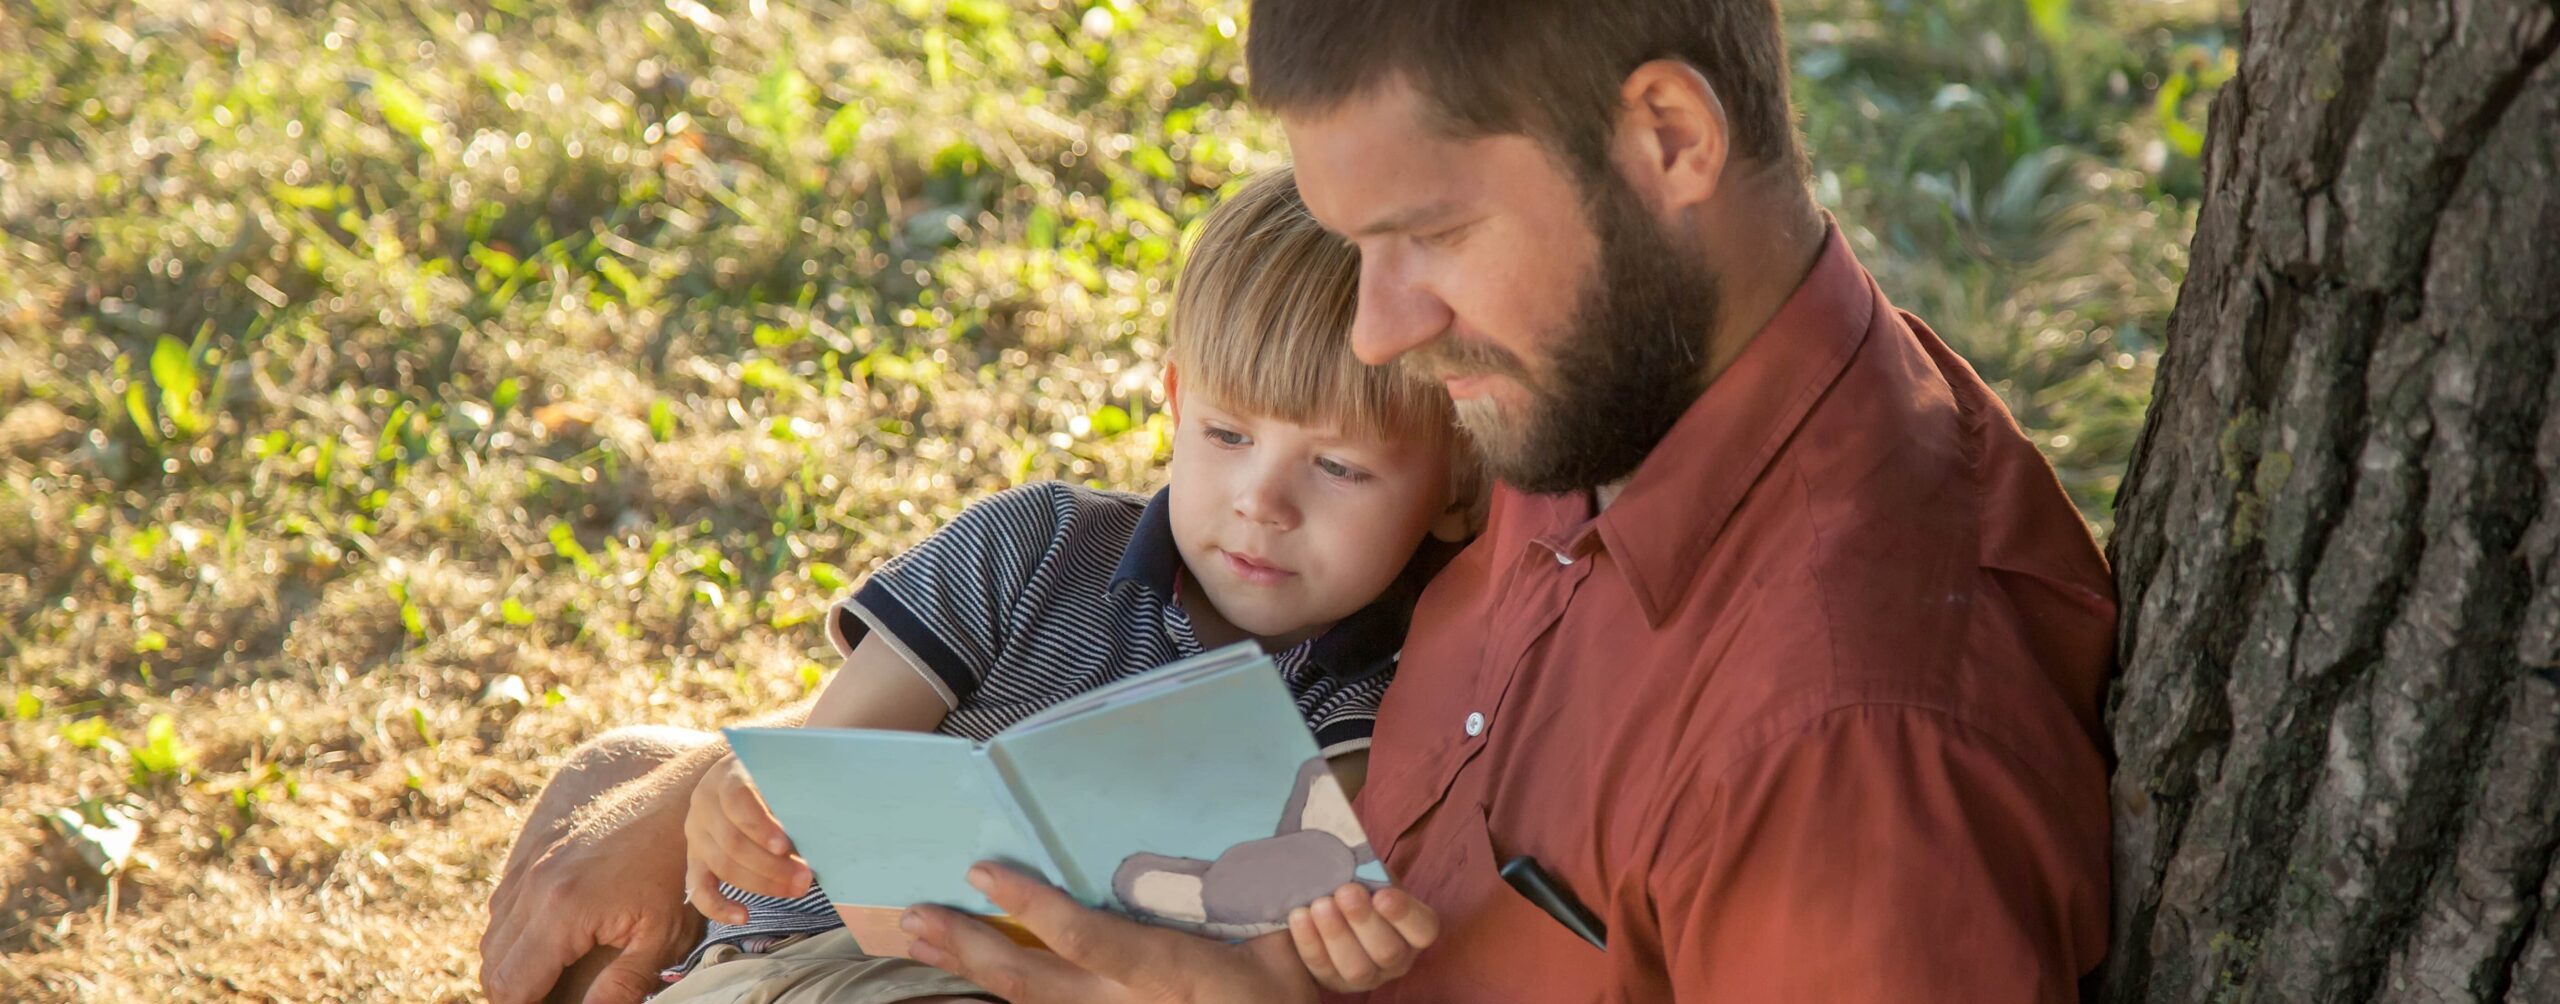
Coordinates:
(1250, 889)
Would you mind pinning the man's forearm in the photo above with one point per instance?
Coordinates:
(662, 791)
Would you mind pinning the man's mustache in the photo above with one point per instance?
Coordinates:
(1451, 357)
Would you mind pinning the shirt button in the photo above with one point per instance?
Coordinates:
(1475, 723)
(1563, 558)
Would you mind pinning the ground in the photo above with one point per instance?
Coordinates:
(393, 394)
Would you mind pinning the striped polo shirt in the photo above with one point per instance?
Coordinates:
(1048, 590)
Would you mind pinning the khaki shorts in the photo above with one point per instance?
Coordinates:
(825, 968)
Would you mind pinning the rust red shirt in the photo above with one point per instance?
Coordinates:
(1810, 713)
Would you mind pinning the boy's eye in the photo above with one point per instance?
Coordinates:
(1223, 437)
(1337, 469)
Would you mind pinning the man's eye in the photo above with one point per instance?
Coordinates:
(1443, 238)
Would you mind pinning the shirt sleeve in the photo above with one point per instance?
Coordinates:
(1883, 854)
(949, 604)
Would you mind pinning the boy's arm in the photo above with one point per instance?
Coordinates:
(878, 689)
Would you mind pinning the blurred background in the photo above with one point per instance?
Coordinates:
(394, 393)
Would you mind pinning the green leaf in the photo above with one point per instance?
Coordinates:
(174, 369)
(843, 129)
(810, 677)
(150, 641)
(827, 577)
(662, 421)
(564, 542)
(515, 613)
(496, 262)
(1152, 159)
(1042, 232)
(1108, 421)
(86, 733)
(426, 731)
(414, 620)
(160, 753)
(635, 291)
(405, 112)
(29, 706)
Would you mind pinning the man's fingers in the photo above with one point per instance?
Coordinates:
(1311, 952)
(1114, 948)
(1417, 921)
(1385, 944)
(527, 966)
(950, 941)
(1350, 958)
(633, 975)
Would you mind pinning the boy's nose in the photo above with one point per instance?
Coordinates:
(1264, 500)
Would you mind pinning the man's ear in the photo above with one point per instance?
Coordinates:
(1673, 136)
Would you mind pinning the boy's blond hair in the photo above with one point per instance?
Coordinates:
(1262, 321)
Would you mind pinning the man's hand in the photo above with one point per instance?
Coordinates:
(1100, 958)
(608, 875)
(729, 836)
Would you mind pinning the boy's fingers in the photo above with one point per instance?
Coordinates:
(1302, 933)
(702, 889)
(1385, 944)
(747, 813)
(1350, 958)
(1417, 921)
(749, 866)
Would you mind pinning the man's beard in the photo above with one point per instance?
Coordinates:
(1630, 362)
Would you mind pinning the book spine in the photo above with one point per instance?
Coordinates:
(1030, 821)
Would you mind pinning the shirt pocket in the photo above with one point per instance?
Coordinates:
(1497, 941)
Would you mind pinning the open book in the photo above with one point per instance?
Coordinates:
(1192, 796)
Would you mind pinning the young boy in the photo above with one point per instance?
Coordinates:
(1305, 492)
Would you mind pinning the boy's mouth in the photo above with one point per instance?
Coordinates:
(1254, 570)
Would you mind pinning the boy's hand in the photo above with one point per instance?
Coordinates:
(729, 836)
(1352, 941)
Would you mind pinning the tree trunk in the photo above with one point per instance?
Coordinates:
(2338, 548)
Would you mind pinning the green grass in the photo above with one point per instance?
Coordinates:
(395, 393)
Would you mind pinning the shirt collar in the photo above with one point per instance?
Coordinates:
(1355, 648)
(1659, 529)
(1151, 559)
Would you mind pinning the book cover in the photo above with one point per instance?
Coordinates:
(1192, 797)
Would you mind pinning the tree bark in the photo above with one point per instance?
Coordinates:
(2338, 549)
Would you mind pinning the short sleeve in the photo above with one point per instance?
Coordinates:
(1914, 858)
(949, 604)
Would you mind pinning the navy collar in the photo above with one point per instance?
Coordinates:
(1355, 648)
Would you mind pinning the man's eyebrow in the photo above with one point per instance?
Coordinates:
(1406, 219)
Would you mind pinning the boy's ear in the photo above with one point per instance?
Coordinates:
(1457, 524)
(1173, 391)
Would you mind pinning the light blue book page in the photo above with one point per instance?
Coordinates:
(886, 819)
(1180, 765)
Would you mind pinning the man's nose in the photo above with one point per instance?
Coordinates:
(1396, 315)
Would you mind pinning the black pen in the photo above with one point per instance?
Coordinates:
(1524, 874)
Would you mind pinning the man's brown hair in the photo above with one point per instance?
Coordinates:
(1549, 69)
